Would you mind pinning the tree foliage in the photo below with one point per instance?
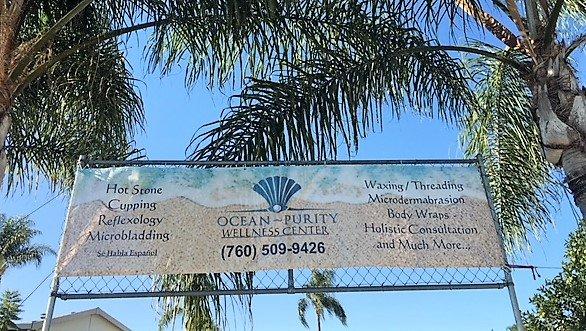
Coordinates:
(321, 302)
(85, 103)
(10, 309)
(68, 80)
(371, 61)
(200, 312)
(561, 302)
(501, 128)
(16, 249)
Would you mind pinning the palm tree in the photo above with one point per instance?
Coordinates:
(10, 308)
(66, 89)
(195, 313)
(16, 249)
(321, 302)
(517, 100)
(65, 86)
(56, 91)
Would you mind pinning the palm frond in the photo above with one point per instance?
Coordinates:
(225, 40)
(200, 312)
(33, 253)
(429, 15)
(218, 38)
(302, 311)
(321, 278)
(337, 96)
(572, 21)
(502, 129)
(575, 9)
(334, 307)
(86, 105)
(16, 249)
(576, 44)
(321, 302)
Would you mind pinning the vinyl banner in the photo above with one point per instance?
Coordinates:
(153, 220)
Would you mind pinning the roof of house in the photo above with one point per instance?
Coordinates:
(37, 325)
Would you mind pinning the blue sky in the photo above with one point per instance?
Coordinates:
(173, 114)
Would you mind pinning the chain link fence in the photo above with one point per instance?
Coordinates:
(286, 281)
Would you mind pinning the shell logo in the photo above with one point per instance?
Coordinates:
(277, 191)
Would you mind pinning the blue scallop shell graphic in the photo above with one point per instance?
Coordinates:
(277, 191)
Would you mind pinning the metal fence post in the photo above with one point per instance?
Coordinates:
(514, 301)
(290, 282)
(51, 304)
(507, 269)
(81, 163)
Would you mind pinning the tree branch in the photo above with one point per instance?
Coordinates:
(545, 7)
(548, 35)
(493, 26)
(510, 8)
(579, 42)
(41, 69)
(513, 9)
(47, 37)
(532, 17)
(515, 64)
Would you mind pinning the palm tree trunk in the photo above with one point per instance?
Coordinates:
(5, 124)
(574, 158)
(561, 108)
(574, 165)
(318, 323)
(3, 267)
(9, 22)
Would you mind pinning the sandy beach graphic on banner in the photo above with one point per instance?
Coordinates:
(147, 220)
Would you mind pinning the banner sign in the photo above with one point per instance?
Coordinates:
(152, 220)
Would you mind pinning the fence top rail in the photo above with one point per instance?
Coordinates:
(296, 290)
(108, 163)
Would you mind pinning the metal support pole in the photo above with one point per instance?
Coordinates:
(51, 304)
(81, 162)
(291, 282)
(514, 302)
(498, 227)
